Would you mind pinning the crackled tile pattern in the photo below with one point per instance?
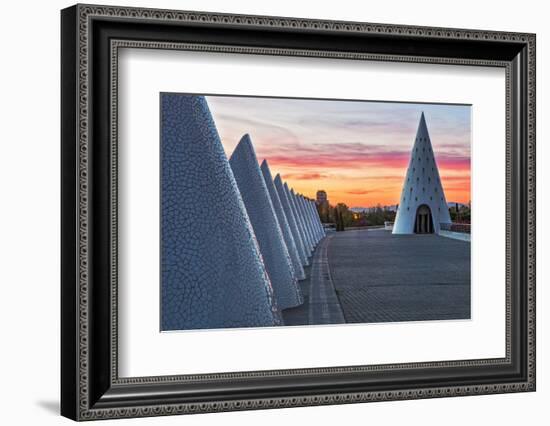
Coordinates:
(291, 219)
(213, 275)
(264, 221)
(313, 223)
(316, 220)
(299, 220)
(307, 219)
(283, 222)
(303, 218)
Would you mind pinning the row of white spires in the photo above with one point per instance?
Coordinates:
(285, 223)
(241, 266)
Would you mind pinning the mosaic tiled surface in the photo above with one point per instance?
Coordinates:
(264, 221)
(299, 220)
(213, 275)
(304, 218)
(317, 220)
(308, 219)
(319, 224)
(289, 213)
(283, 222)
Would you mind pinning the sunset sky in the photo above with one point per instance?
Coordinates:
(356, 151)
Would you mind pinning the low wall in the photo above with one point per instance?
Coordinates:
(463, 228)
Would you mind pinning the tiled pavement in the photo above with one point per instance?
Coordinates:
(321, 304)
(380, 277)
(324, 306)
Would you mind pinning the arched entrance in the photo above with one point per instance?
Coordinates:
(423, 223)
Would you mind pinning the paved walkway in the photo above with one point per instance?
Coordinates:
(321, 304)
(366, 276)
(324, 306)
(380, 277)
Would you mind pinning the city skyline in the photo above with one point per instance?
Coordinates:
(357, 151)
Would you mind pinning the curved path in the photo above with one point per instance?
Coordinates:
(321, 303)
(324, 306)
(368, 276)
(380, 277)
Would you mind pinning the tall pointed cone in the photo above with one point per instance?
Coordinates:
(265, 224)
(299, 222)
(313, 220)
(422, 206)
(312, 226)
(307, 219)
(283, 222)
(298, 199)
(303, 219)
(318, 219)
(289, 213)
(212, 272)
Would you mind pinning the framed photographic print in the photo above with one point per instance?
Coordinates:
(263, 212)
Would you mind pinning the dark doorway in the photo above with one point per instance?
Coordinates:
(423, 223)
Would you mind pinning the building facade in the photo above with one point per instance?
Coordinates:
(322, 205)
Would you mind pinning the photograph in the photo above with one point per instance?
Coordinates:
(264, 209)
(280, 211)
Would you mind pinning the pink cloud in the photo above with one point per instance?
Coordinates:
(362, 191)
(304, 176)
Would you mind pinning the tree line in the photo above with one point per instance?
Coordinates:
(342, 217)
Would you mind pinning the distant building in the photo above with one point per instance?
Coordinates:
(321, 197)
(322, 205)
(422, 206)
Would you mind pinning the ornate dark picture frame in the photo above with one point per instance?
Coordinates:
(90, 38)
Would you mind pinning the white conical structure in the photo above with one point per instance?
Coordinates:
(309, 221)
(317, 219)
(289, 213)
(261, 212)
(314, 223)
(299, 220)
(212, 272)
(304, 219)
(314, 219)
(422, 206)
(283, 222)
